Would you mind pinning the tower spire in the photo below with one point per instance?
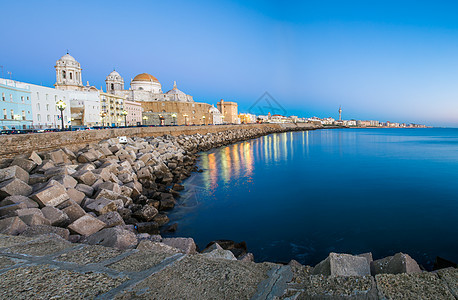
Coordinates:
(340, 113)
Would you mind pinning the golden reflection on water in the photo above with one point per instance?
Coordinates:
(237, 160)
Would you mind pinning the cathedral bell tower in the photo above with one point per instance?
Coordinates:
(114, 82)
(68, 74)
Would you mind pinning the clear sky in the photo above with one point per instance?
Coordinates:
(384, 60)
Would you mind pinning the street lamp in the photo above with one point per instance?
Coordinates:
(161, 120)
(185, 119)
(174, 116)
(61, 106)
(203, 119)
(145, 118)
(102, 117)
(124, 113)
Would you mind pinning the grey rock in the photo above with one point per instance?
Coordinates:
(185, 245)
(52, 195)
(34, 219)
(112, 218)
(75, 195)
(14, 172)
(19, 199)
(74, 212)
(25, 164)
(102, 205)
(10, 210)
(85, 177)
(146, 213)
(14, 187)
(87, 190)
(342, 265)
(115, 237)
(396, 264)
(86, 225)
(55, 216)
(35, 158)
(12, 226)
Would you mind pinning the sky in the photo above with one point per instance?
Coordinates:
(380, 60)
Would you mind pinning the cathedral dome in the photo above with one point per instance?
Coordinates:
(214, 110)
(67, 57)
(114, 73)
(145, 77)
(175, 90)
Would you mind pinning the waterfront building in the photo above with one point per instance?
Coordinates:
(44, 109)
(85, 108)
(328, 121)
(16, 105)
(247, 118)
(134, 113)
(215, 116)
(229, 111)
(186, 113)
(280, 119)
(349, 123)
(111, 107)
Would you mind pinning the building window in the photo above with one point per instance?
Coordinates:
(63, 75)
(22, 99)
(71, 75)
(4, 114)
(112, 86)
(11, 97)
(38, 96)
(48, 118)
(38, 117)
(23, 115)
(47, 107)
(38, 106)
(12, 114)
(28, 98)
(3, 97)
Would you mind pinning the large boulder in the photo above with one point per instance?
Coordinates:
(52, 195)
(55, 216)
(25, 164)
(146, 213)
(112, 219)
(85, 177)
(86, 225)
(74, 212)
(12, 226)
(115, 237)
(216, 251)
(342, 265)
(14, 187)
(185, 245)
(19, 199)
(396, 264)
(14, 172)
(102, 205)
(34, 219)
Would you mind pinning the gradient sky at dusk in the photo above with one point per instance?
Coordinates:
(383, 60)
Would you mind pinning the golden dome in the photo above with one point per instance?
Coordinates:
(145, 77)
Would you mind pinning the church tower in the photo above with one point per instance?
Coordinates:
(114, 82)
(68, 74)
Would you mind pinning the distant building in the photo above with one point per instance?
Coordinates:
(111, 107)
(16, 105)
(229, 111)
(247, 118)
(134, 113)
(215, 116)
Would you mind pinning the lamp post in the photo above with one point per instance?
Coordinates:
(185, 119)
(145, 118)
(102, 117)
(61, 106)
(203, 120)
(174, 116)
(124, 113)
(161, 120)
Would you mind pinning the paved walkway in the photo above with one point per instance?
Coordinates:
(48, 267)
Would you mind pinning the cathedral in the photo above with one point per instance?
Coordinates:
(173, 107)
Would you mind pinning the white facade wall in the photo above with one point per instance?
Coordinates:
(91, 103)
(44, 109)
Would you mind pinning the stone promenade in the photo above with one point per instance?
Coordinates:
(48, 267)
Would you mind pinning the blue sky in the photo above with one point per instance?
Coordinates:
(385, 60)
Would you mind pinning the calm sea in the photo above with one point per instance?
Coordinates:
(301, 195)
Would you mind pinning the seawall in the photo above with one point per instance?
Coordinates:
(13, 145)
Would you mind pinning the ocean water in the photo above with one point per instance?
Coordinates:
(301, 195)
